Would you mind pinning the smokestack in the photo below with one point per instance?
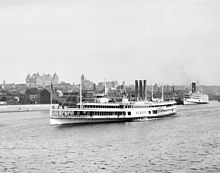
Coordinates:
(136, 88)
(144, 90)
(140, 89)
(193, 87)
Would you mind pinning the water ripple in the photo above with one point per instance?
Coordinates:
(187, 142)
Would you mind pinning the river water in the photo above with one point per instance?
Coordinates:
(186, 142)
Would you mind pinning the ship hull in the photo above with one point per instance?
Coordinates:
(194, 102)
(162, 115)
(63, 121)
(56, 121)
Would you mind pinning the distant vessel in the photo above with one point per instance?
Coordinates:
(101, 110)
(195, 97)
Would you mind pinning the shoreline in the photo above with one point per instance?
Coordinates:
(24, 108)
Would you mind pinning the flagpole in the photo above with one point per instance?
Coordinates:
(145, 91)
(80, 92)
(152, 92)
(51, 98)
(104, 87)
(51, 94)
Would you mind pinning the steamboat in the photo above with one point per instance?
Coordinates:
(195, 97)
(102, 110)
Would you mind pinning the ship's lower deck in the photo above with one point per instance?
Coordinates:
(60, 121)
(62, 116)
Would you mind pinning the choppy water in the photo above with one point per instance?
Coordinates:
(187, 142)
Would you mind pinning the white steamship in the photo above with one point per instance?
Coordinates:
(195, 97)
(101, 110)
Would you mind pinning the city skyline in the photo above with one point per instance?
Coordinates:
(172, 42)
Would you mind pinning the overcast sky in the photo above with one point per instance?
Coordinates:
(172, 41)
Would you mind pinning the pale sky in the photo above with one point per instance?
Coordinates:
(162, 41)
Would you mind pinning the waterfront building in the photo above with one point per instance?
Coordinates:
(44, 96)
(39, 96)
(32, 95)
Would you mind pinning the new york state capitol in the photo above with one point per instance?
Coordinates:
(44, 80)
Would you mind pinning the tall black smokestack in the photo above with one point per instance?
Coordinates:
(144, 90)
(136, 88)
(140, 89)
(193, 87)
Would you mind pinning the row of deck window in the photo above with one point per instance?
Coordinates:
(87, 113)
(151, 106)
(123, 106)
(107, 106)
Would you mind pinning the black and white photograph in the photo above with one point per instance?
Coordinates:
(110, 86)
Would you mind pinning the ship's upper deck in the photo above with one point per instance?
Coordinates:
(122, 105)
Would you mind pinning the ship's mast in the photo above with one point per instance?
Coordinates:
(51, 99)
(162, 93)
(80, 92)
(152, 92)
(105, 87)
(145, 90)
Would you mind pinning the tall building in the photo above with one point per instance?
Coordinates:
(87, 84)
(37, 80)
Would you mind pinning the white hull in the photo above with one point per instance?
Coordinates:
(70, 120)
(194, 102)
(85, 121)
(169, 113)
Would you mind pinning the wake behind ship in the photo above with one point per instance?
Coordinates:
(101, 110)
